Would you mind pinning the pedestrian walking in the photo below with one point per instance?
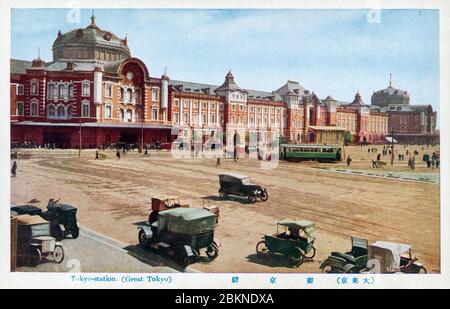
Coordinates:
(14, 169)
(426, 158)
(118, 154)
(218, 162)
(379, 157)
(349, 160)
(433, 159)
(96, 155)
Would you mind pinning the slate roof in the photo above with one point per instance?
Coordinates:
(210, 89)
(19, 66)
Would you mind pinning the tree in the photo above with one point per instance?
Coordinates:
(348, 138)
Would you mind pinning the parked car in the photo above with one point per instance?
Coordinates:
(63, 220)
(182, 233)
(394, 258)
(296, 241)
(352, 261)
(34, 241)
(25, 210)
(240, 185)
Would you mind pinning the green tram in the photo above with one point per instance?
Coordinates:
(302, 152)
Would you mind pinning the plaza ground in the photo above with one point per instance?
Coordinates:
(112, 195)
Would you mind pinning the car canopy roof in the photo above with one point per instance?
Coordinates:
(233, 175)
(296, 224)
(186, 220)
(26, 208)
(307, 226)
(165, 197)
(388, 254)
(63, 207)
(30, 220)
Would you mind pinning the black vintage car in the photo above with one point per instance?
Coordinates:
(240, 185)
(63, 220)
(25, 210)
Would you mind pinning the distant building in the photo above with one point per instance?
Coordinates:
(94, 82)
(410, 123)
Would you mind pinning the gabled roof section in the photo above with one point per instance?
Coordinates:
(229, 84)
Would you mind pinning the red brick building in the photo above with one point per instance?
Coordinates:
(95, 84)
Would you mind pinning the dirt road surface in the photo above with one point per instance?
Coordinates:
(112, 195)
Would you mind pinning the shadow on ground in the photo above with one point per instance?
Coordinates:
(151, 257)
(273, 260)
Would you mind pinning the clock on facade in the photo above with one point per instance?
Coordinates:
(130, 75)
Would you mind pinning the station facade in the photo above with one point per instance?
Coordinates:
(95, 93)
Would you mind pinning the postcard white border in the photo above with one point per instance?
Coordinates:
(208, 280)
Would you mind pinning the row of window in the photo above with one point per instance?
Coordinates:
(195, 118)
(195, 104)
(56, 91)
(53, 112)
(266, 110)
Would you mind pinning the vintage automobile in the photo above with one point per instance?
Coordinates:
(296, 241)
(181, 233)
(25, 210)
(393, 258)
(352, 261)
(162, 203)
(34, 241)
(240, 185)
(63, 220)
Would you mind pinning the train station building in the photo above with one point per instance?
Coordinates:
(95, 92)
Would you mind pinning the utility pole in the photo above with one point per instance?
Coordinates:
(142, 134)
(392, 146)
(79, 147)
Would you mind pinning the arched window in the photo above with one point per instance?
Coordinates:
(121, 94)
(69, 112)
(129, 94)
(85, 110)
(70, 91)
(122, 115)
(51, 91)
(129, 115)
(51, 111)
(34, 108)
(61, 90)
(61, 110)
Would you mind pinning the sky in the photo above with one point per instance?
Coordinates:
(330, 52)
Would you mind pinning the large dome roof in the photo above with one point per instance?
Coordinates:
(90, 43)
(390, 96)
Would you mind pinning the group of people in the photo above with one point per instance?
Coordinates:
(434, 161)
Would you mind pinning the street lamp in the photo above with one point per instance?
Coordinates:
(79, 147)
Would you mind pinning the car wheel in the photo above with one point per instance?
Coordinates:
(212, 251)
(142, 238)
(296, 257)
(251, 199)
(422, 270)
(311, 254)
(75, 233)
(264, 196)
(261, 248)
(58, 254)
(35, 257)
(328, 269)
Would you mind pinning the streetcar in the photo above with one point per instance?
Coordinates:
(314, 152)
